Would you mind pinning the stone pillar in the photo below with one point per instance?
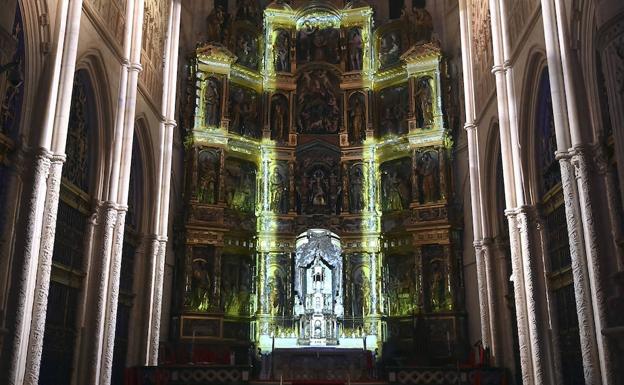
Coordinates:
(162, 213)
(34, 265)
(579, 206)
(100, 333)
(531, 300)
(475, 178)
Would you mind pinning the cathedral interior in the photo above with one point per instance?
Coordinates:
(392, 192)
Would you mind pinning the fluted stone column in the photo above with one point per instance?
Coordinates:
(32, 284)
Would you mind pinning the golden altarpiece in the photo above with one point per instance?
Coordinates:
(319, 188)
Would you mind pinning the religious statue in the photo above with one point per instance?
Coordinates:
(277, 293)
(318, 189)
(212, 102)
(389, 50)
(419, 22)
(304, 41)
(244, 112)
(201, 293)
(282, 51)
(355, 49)
(279, 118)
(279, 192)
(427, 171)
(215, 22)
(207, 181)
(391, 188)
(424, 103)
(243, 195)
(247, 50)
(318, 110)
(247, 10)
(357, 115)
(356, 189)
(438, 286)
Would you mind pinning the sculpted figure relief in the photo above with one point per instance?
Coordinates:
(390, 49)
(318, 103)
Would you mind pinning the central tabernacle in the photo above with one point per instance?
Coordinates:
(318, 288)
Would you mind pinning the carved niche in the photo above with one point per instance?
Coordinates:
(319, 102)
(318, 45)
(279, 188)
(281, 51)
(245, 112)
(428, 176)
(319, 185)
(357, 188)
(212, 101)
(357, 118)
(208, 166)
(402, 285)
(395, 184)
(200, 287)
(235, 284)
(240, 185)
(393, 105)
(280, 118)
(355, 49)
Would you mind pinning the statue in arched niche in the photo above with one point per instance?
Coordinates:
(357, 118)
(201, 285)
(212, 101)
(279, 190)
(356, 189)
(208, 176)
(428, 176)
(355, 49)
(282, 51)
(279, 118)
(424, 102)
(391, 189)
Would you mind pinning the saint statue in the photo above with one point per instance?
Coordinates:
(427, 173)
(214, 22)
(318, 187)
(212, 103)
(358, 120)
(278, 192)
(424, 104)
(279, 115)
(393, 201)
(355, 50)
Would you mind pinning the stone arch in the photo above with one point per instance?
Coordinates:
(535, 68)
(37, 38)
(93, 66)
